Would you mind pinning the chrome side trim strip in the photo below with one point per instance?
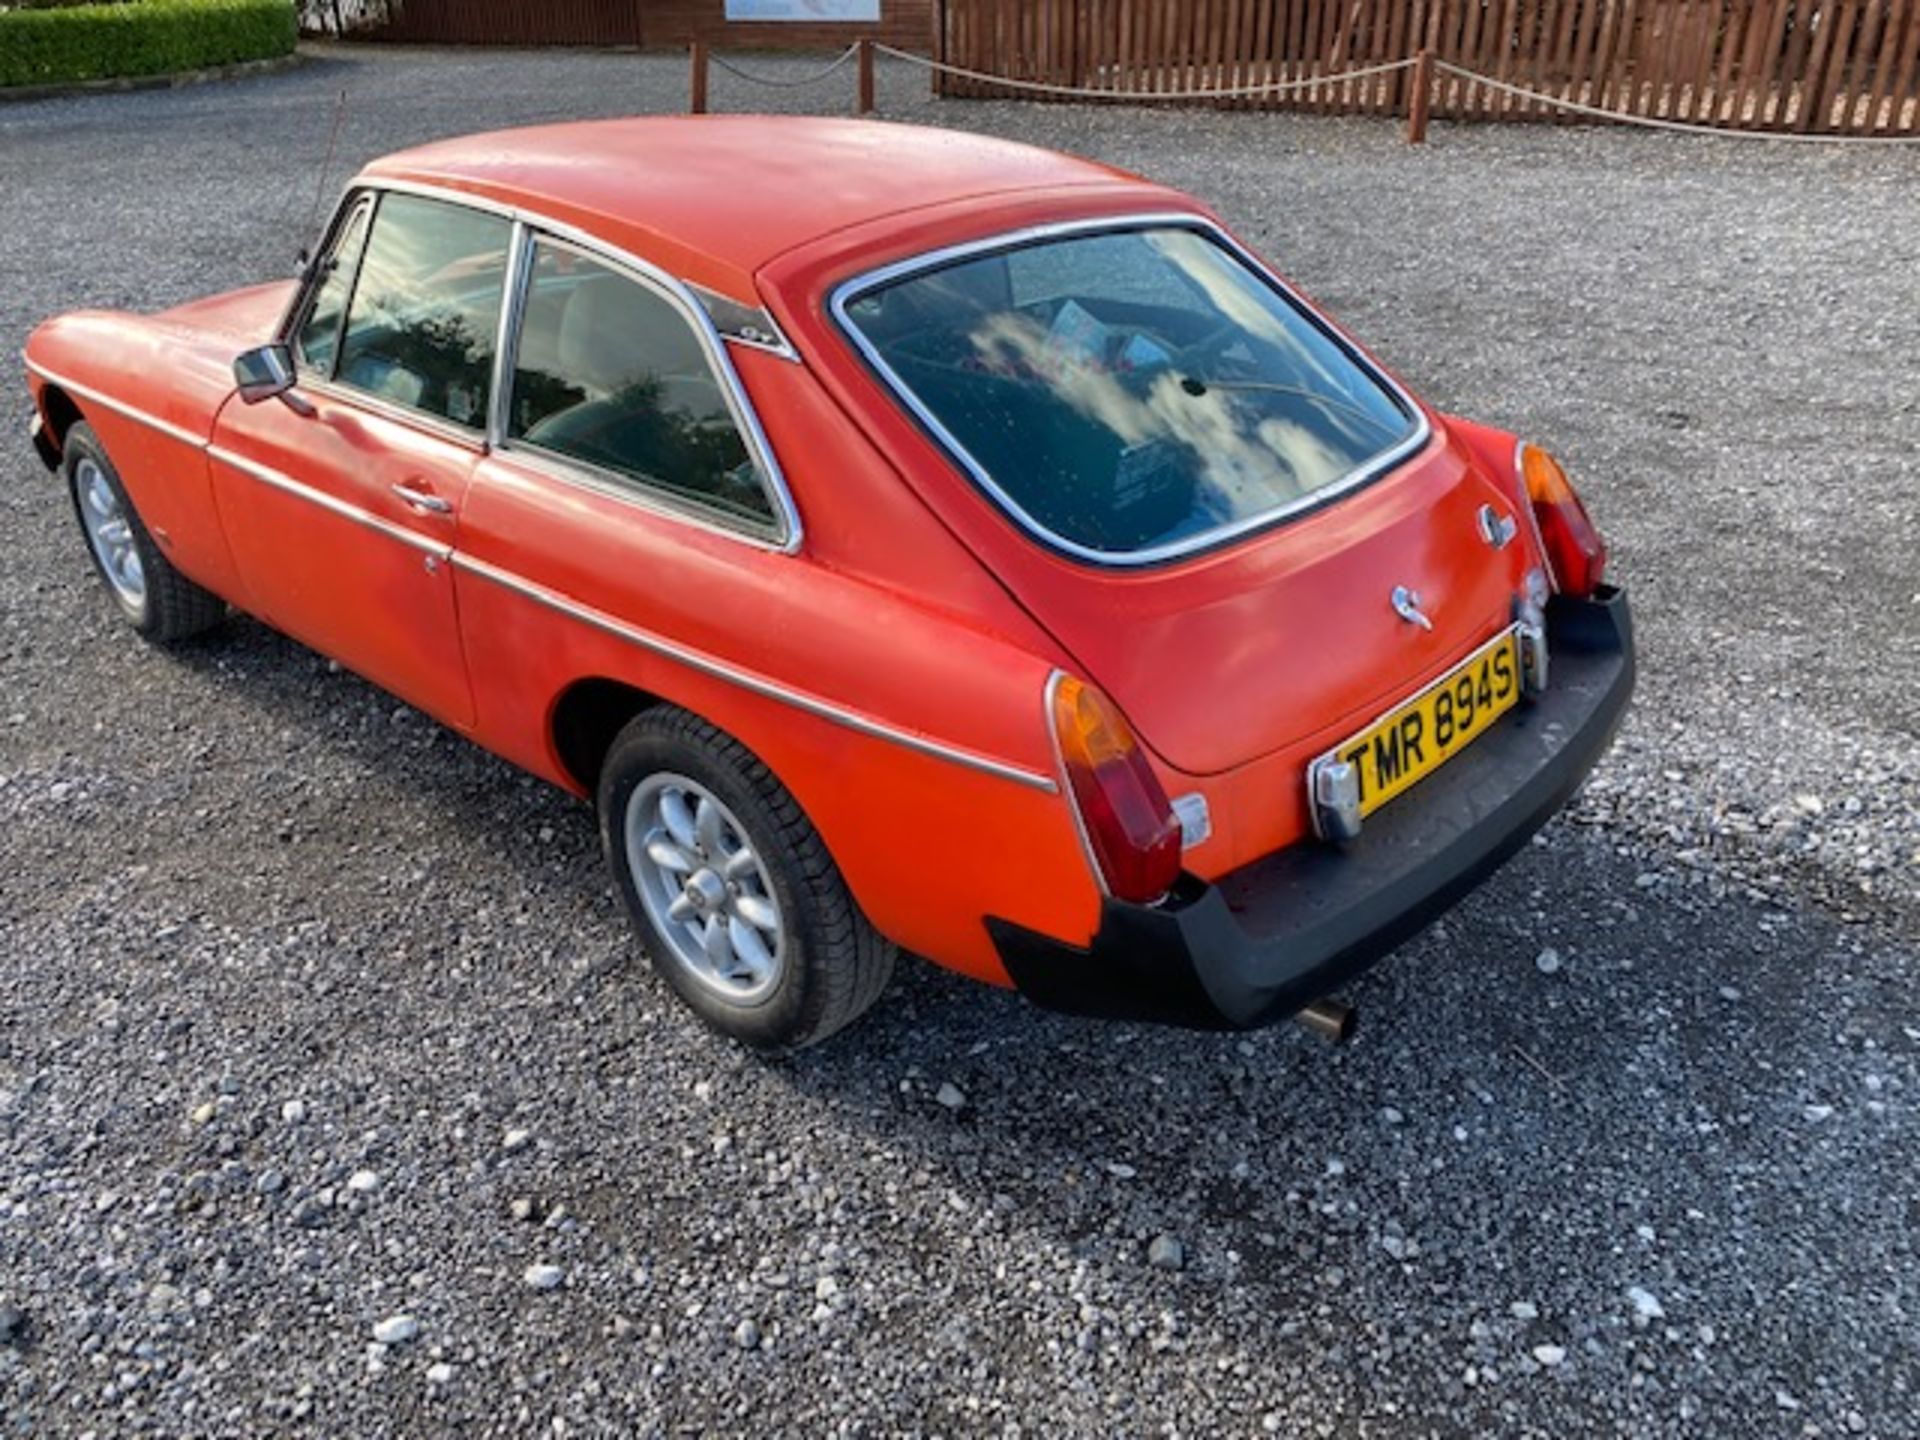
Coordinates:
(747, 680)
(847, 291)
(267, 475)
(675, 289)
(120, 407)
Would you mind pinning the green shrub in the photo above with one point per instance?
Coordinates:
(139, 37)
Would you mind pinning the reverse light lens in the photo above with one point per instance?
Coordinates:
(1129, 823)
(1576, 554)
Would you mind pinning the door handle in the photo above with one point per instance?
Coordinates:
(423, 500)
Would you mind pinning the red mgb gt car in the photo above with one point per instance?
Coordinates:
(910, 541)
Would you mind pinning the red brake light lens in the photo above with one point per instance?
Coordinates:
(1576, 554)
(1129, 824)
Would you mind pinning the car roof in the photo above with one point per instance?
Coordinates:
(713, 198)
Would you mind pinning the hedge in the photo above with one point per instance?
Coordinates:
(139, 37)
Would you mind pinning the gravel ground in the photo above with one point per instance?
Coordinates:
(335, 1097)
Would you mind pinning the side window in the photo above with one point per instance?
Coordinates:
(319, 335)
(610, 373)
(422, 319)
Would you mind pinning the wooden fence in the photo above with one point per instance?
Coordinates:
(1805, 66)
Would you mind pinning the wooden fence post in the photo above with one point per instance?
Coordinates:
(697, 102)
(1422, 99)
(866, 76)
(937, 79)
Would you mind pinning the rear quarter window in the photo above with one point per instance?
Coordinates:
(609, 374)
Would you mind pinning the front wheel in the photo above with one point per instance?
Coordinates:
(741, 907)
(156, 599)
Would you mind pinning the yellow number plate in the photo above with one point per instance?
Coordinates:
(1411, 742)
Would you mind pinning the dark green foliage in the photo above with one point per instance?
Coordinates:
(139, 37)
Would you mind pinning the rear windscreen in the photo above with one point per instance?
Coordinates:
(1131, 394)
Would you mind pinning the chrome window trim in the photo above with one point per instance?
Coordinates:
(347, 510)
(649, 496)
(309, 289)
(583, 475)
(119, 407)
(472, 437)
(749, 680)
(792, 530)
(506, 337)
(465, 436)
(847, 291)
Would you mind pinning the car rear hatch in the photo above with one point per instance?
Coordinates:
(1207, 494)
(1230, 656)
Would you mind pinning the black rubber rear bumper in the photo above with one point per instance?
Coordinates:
(1258, 944)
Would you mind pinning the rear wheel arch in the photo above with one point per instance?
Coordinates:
(590, 713)
(586, 719)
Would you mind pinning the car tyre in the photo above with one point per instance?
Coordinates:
(739, 904)
(156, 599)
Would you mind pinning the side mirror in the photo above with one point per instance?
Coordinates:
(263, 373)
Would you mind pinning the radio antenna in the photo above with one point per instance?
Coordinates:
(326, 164)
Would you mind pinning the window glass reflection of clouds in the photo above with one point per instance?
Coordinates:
(1131, 390)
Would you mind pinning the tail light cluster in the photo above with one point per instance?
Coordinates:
(1576, 554)
(1129, 824)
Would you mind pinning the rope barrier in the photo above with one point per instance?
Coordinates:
(1081, 92)
(1460, 71)
(783, 82)
(1281, 87)
(1654, 122)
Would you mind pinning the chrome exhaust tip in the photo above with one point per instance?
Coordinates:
(1331, 1020)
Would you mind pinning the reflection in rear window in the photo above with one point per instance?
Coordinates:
(1131, 394)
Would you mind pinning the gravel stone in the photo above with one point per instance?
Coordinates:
(440, 1374)
(1549, 1355)
(544, 1277)
(1166, 1253)
(951, 1096)
(1547, 962)
(232, 864)
(747, 1335)
(396, 1330)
